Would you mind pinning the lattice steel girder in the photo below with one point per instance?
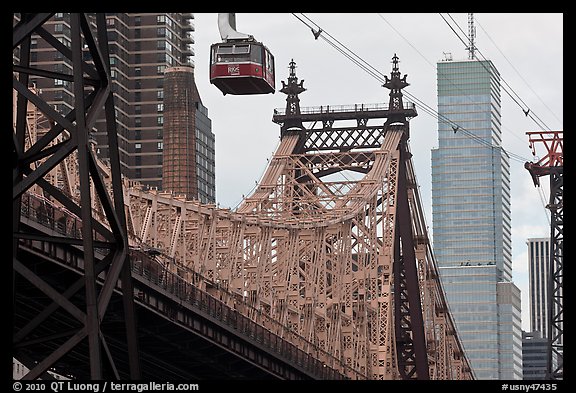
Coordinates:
(34, 162)
(552, 164)
(556, 280)
(325, 274)
(318, 256)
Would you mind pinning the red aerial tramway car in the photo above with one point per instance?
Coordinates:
(240, 65)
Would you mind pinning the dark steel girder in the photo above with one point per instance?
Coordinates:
(411, 348)
(556, 276)
(92, 94)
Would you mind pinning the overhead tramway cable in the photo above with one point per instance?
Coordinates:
(506, 87)
(340, 47)
(381, 78)
(525, 111)
(454, 125)
(520, 75)
(440, 73)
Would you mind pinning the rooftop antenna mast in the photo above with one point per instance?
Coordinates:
(471, 35)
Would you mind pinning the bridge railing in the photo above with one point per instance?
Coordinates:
(57, 218)
(343, 108)
(226, 297)
(153, 272)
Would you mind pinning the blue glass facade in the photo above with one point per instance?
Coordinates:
(471, 218)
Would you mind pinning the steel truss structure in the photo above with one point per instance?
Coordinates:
(330, 252)
(43, 143)
(552, 164)
(332, 244)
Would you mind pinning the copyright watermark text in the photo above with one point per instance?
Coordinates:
(529, 387)
(101, 387)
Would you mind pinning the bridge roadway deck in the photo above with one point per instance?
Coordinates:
(184, 333)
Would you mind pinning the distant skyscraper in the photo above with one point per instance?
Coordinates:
(534, 356)
(471, 218)
(538, 265)
(539, 276)
(142, 46)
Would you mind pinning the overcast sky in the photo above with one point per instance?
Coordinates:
(526, 48)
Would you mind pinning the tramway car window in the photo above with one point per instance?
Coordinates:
(269, 62)
(256, 55)
(225, 50)
(241, 49)
(213, 57)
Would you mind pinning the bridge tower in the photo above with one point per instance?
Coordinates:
(409, 248)
(88, 299)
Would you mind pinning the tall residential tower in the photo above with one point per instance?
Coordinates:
(142, 46)
(471, 217)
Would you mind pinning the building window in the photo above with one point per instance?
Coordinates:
(160, 120)
(160, 146)
(160, 107)
(67, 43)
(160, 69)
(138, 146)
(160, 94)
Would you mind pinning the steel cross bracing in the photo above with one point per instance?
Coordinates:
(315, 247)
(330, 252)
(43, 140)
(552, 164)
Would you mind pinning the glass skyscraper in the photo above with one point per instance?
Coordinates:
(471, 218)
